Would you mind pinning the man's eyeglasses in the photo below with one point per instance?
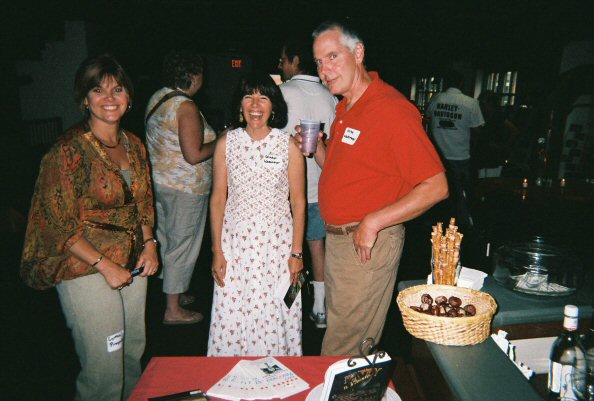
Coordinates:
(282, 60)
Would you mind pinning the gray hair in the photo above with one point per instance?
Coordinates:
(349, 37)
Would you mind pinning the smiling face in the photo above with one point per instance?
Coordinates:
(107, 102)
(338, 66)
(257, 109)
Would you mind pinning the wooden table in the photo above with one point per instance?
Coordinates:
(168, 375)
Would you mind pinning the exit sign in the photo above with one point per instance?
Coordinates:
(236, 63)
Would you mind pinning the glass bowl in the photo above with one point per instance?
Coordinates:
(537, 267)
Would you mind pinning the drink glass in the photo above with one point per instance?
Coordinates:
(310, 130)
(582, 382)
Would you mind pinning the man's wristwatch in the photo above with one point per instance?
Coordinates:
(298, 255)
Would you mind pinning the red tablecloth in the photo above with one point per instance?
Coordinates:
(168, 375)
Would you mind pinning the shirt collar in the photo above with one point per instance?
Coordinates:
(371, 90)
(453, 90)
(303, 77)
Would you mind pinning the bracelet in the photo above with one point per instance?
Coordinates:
(298, 255)
(148, 240)
(97, 261)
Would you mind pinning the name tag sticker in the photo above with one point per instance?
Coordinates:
(272, 161)
(115, 341)
(350, 136)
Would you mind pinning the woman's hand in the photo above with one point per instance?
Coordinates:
(295, 266)
(115, 275)
(149, 259)
(219, 268)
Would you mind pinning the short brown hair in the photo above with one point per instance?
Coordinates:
(180, 66)
(93, 70)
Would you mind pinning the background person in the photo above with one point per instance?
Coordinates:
(180, 143)
(379, 170)
(307, 98)
(257, 221)
(90, 224)
(453, 117)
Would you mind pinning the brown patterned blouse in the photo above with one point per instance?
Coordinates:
(80, 192)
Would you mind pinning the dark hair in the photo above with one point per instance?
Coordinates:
(452, 79)
(180, 66)
(349, 38)
(93, 70)
(300, 47)
(262, 83)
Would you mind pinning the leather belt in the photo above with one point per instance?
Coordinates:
(340, 230)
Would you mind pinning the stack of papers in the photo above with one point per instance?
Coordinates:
(262, 379)
(510, 350)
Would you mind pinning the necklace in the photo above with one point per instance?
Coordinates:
(111, 147)
(106, 145)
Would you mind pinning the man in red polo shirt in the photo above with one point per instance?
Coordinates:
(379, 170)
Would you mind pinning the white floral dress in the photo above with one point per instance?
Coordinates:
(249, 316)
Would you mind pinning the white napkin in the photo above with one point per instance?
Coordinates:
(471, 278)
(468, 278)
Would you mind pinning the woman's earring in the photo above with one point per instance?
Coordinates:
(129, 106)
(240, 115)
(272, 118)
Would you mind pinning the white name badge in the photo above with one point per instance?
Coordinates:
(272, 161)
(350, 136)
(115, 341)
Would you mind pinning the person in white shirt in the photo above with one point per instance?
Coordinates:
(308, 99)
(453, 117)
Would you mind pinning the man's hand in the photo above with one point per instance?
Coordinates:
(299, 139)
(364, 238)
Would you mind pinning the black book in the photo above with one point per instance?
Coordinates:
(357, 380)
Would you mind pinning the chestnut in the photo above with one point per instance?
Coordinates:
(470, 310)
(426, 299)
(415, 308)
(441, 300)
(425, 307)
(455, 301)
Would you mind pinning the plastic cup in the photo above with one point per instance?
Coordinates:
(310, 131)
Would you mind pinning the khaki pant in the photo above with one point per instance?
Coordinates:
(99, 317)
(181, 218)
(358, 295)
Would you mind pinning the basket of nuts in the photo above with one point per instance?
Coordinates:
(447, 315)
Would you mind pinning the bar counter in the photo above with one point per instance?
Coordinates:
(483, 372)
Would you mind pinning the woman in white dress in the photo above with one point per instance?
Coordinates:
(257, 220)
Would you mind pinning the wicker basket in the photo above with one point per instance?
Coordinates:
(465, 330)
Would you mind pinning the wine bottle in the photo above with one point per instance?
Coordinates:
(565, 353)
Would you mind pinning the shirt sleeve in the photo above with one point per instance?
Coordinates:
(415, 155)
(53, 224)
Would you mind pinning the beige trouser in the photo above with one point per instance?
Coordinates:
(358, 295)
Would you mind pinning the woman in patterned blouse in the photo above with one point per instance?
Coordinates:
(90, 232)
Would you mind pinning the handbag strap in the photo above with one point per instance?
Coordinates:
(165, 98)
